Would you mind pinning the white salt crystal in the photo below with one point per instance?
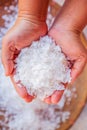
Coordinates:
(85, 32)
(6, 8)
(42, 68)
(65, 116)
(12, 7)
(8, 18)
(59, 1)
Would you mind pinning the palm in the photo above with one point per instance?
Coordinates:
(74, 50)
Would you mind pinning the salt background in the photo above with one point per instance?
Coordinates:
(12, 102)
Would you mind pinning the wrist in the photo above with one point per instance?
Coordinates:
(72, 16)
(35, 10)
(64, 26)
(31, 17)
(63, 34)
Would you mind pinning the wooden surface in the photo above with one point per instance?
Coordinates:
(81, 83)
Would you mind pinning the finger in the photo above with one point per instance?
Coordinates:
(21, 91)
(7, 57)
(55, 98)
(78, 67)
(48, 100)
(28, 98)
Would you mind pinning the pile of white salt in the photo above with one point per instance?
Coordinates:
(42, 68)
(16, 114)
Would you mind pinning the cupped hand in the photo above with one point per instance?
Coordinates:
(19, 36)
(73, 48)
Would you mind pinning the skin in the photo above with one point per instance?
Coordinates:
(29, 26)
(66, 30)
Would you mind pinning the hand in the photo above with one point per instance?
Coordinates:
(66, 29)
(73, 48)
(19, 36)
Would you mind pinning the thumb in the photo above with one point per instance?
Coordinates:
(78, 67)
(7, 57)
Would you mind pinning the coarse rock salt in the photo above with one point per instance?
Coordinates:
(42, 68)
(9, 19)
